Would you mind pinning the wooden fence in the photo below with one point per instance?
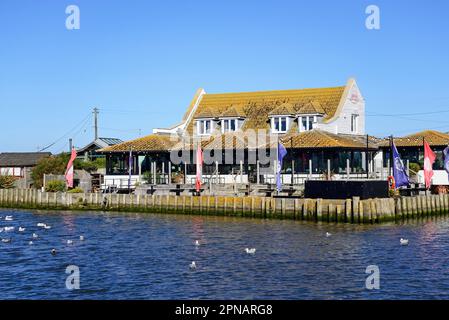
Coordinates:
(350, 210)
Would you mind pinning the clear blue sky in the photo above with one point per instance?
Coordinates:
(141, 62)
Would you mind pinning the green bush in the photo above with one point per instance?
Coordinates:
(76, 190)
(55, 186)
(6, 182)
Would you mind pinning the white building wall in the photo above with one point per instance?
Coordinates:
(354, 103)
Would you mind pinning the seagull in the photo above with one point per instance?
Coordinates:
(1, 230)
(250, 251)
(69, 242)
(8, 218)
(47, 227)
(403, 242)
(328, 234)
(53, 252)
(7, 229)
(35, 236)
(6, 240)
(31, 243)
(40, 224)
(82, 238)
(21, 229)
(197, 243)
(193, 265)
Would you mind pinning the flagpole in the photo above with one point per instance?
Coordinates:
(390, 169)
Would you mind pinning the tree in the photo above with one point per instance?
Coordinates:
(49, 165)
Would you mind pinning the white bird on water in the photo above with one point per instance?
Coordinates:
(35, 236)
(47, 227)
(8, 218)
(21, 229)
(69, 241)
(403, 242)
(31, 243)
(7, 229)
(328, 234)
(6, 240)
(250, 251)
(1, 230)
(197, 243)
(82, 238)
(193, 265)
(40, 224)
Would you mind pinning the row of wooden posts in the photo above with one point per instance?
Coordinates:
(352, 210)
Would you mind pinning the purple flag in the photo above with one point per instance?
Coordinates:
(282, 152)
(446, 159)
(399, 173)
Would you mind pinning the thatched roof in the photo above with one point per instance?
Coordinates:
(256, 107)
(433, 138)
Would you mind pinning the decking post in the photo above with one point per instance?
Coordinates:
(319, 209)
(404, 207)
(310, 168)
(348, 169)
(328, 169)
(355, 209)
(348, 210)
(409, 206)
(169, 172)
(258, 171)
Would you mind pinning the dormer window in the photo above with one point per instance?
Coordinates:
(229, 125)
(204, 127)
(280, 124)
(307, 122)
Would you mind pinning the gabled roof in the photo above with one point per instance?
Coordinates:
(311, 107)
(100, 143)
(257, 106)
(433, 138)
(231, 112)
(152, 142)
(284, 109)
(22, 159)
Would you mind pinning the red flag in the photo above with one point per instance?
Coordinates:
(429, 159)
(69, 171)
(199, 168)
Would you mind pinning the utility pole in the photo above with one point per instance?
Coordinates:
(95, 112)
(70, 144)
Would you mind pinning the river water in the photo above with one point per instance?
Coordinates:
(145, 256)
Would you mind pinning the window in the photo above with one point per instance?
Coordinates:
(354, 123)
(279, 124)
(229, 125)
(306, 122)
(204, 127)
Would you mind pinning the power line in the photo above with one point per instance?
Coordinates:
(67, 134)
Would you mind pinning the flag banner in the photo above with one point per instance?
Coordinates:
(282, 152)
(399, 173)
(429, 159)
(199, 169)
(446, 159)
(69, 173)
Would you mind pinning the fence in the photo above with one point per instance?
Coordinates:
(350, 210)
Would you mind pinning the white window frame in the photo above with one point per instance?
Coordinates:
(279, 118)
(201, 127)
(228, 120)
(354, 123)
(311, 120)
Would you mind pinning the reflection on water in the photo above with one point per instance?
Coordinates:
(141, 256)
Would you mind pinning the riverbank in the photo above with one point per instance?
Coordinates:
(320, 210)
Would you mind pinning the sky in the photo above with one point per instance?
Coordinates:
(140, 62)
